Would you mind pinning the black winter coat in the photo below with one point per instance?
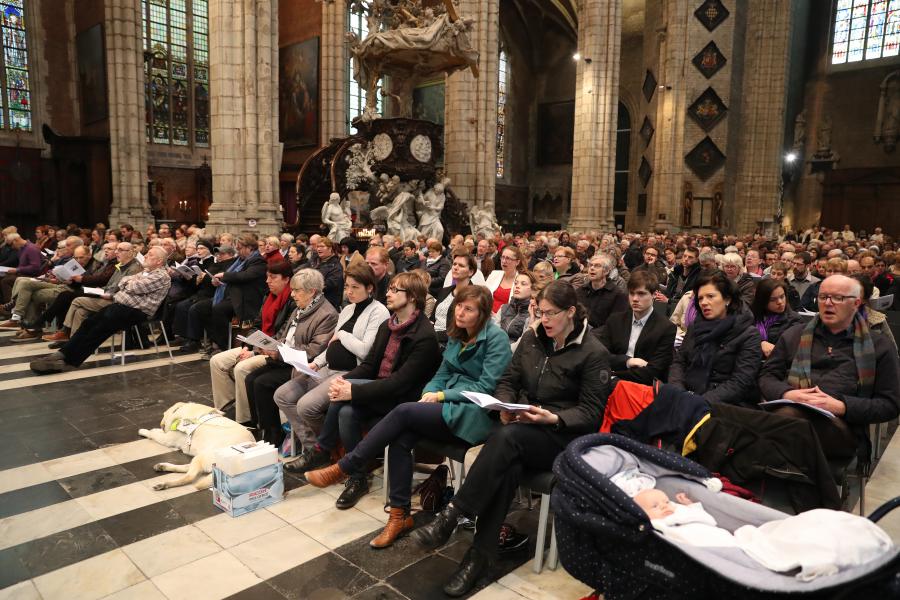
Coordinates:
(334, 280)
(247, 287)
(672, 287)
(438, 271)
(601, 303)
(417, 361)
(572, 382)
(735, 367)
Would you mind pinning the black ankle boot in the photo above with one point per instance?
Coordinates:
(440, 529)
(474, 564)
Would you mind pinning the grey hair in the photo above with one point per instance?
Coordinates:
(609, 263)
(733, 259)
(12, 237)
(308, 280)
(73, 241)
(731, 250)
(226, 249)
(286, 237)
(706, 256)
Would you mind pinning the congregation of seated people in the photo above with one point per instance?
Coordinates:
(395, 331)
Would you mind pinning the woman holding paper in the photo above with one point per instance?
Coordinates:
(303, 399)
(563, 372)
(476, 356)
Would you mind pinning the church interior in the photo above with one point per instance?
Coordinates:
(692, 116)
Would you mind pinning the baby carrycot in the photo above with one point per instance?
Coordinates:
(608, 542)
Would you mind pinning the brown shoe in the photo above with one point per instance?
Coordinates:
(399, 524)
(27, 335)
(11, 324)
(59, 336)
(322, 478)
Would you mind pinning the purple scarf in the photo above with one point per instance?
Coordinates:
(763, 325)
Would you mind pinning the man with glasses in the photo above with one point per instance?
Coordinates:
(837, 364)
(800, 276)
(600, 296)
(652, 263)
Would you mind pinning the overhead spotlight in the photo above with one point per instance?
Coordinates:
(790, 157)
(576, 56)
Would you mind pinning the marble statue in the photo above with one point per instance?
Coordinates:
(430, 205)
(887, 123)
(800, 130)
(483, 221)
(400, 214)
(336, 219)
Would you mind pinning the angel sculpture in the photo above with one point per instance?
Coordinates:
(483, 221)
(336, 219)
(399, 214)
(430, 205)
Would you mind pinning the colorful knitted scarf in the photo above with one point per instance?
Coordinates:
(863, 352)
(393, 346)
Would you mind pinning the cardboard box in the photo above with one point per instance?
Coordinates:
(245, 457)
(244, 493)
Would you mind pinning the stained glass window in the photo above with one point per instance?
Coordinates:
(865, 30)
(16, 111)
(356, 96)
(502, 90)
(176, 98)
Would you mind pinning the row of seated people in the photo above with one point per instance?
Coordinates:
(383, 373)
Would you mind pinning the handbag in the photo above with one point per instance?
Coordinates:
(432, 490)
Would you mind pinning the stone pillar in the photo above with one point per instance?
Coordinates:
(127, 130)
(246, 155)
(334, 60)
(760, 149)
(596, 109)
(666, 154)
(470, 114)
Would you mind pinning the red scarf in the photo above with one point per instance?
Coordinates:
(393, 345)
(271, 307)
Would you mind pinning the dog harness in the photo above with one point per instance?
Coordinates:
(189, 426)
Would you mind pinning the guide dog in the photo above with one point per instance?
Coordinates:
(197, 430)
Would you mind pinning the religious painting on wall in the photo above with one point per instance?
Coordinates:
(92, 74)
(710, 60)
(298, 94)
(711, 13)
(644, 172)
(428, 101)
(705, 159)
(556, 133)
(647, 131)
(707, 110)
(649, 87)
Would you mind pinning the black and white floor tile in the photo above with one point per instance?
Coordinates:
(79, 518)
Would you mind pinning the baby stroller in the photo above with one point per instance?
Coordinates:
(608, 542)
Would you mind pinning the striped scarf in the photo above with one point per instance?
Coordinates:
(863, 353)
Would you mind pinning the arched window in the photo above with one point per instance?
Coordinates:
(865, 30)
(16, 113)
(623, 150)
(176, 71)
(356, 96)
(502, 90)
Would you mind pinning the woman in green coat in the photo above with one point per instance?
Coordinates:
(477, 354)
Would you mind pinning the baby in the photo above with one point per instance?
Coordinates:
(683, 520)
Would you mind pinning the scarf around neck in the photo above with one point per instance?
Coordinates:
(393, 345)
(800, 375)
(707, 336)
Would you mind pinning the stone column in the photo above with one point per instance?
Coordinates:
(470, 113)
(246, 154)
(127, 121)
(334, 60)
(667, 151)
(596, 109)
(760, 149)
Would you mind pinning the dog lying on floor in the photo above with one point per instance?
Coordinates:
(197, 430)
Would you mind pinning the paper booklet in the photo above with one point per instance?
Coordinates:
(773, 404)
(297, 359)
(4, 270)
(140, 258)
(882, 304)
(67, 271)
(187, 271)
(260, 340)
(92, 291)
(491, 403)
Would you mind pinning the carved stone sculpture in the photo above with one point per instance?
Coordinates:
(430, 205)
(336, 219)
(887, 123)
(800, 130)
(483, 221)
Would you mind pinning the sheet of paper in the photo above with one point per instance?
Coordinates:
(69, 270)
(260, 340)
(297, 359)
(806, 313)
(882, 304)
(491, 403)
(4, 270)
(140, 258)
(772, 404)
(93, 291)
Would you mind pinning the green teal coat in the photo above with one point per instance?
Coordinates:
(476, 369)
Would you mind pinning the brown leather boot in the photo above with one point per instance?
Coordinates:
(322, 478)
(399, 523)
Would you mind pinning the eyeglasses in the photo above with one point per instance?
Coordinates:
(502, 258)
(835, 298)
(394, 289)
(540, 314)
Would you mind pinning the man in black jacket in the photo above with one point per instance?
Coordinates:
(834, 377)
(682, 278)
(599, 296)
(641, 340)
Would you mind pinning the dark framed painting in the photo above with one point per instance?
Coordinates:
(705, 159)
(298, 94)
(649, 87)
(92, 74)
(710, 60)
(707, 110)
(645, 171)
(711, 13)
(556, 133)
(428, 101)
(647, 131)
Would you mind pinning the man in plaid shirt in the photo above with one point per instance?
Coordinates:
(137, 299)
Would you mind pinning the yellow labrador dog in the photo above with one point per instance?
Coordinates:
(197, 430)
